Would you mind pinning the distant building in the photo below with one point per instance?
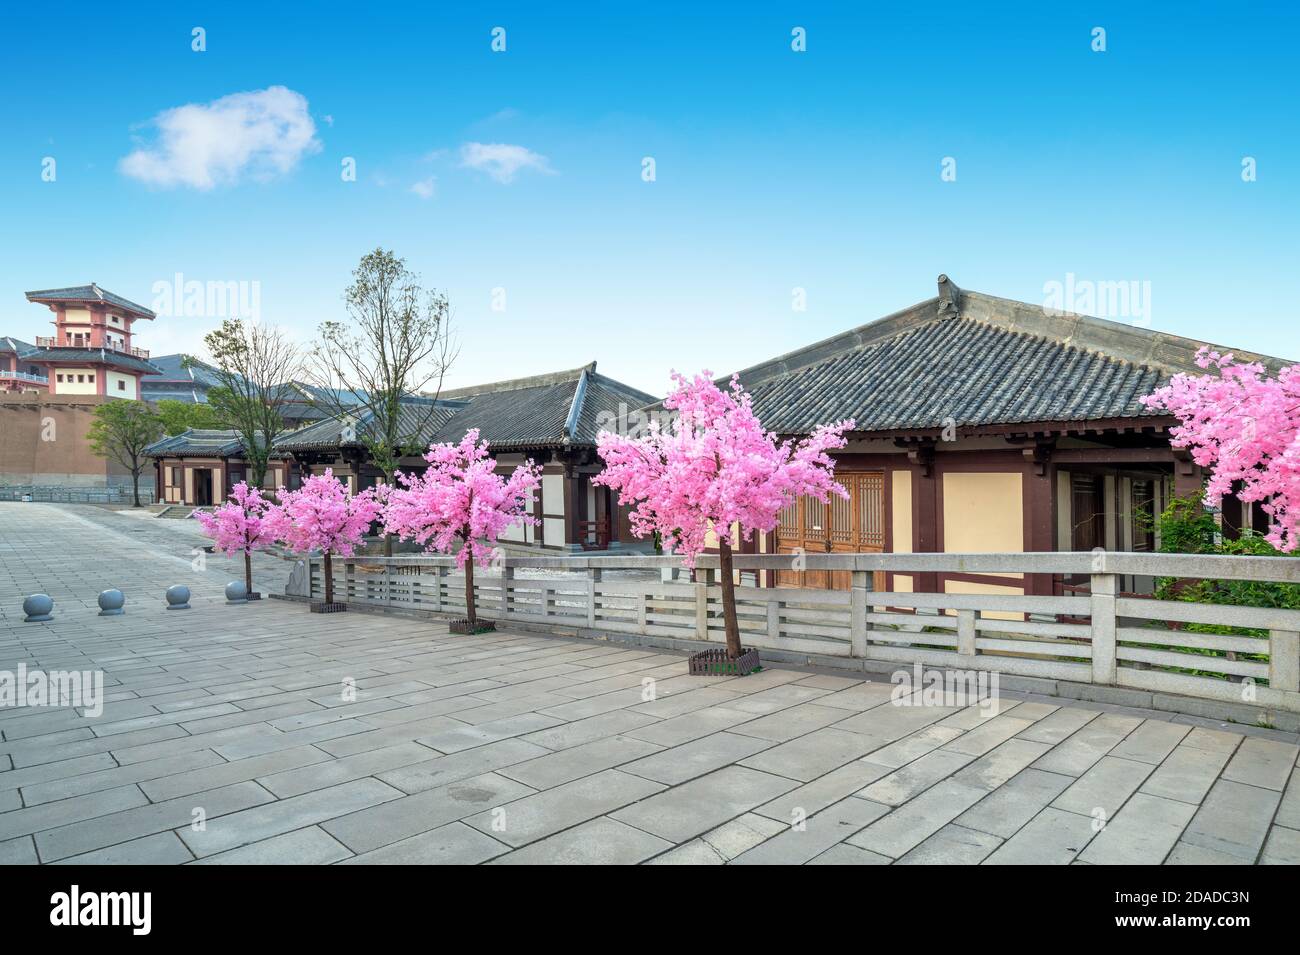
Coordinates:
(17, 373)
(177, 379)
(49, 390)
(551, 419)
(184, 378)
(91, 351)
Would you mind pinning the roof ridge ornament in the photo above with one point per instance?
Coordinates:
(949, 298)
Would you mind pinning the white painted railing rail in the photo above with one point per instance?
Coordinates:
(1102, 637)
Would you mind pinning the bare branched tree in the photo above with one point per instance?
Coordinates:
(255, 366)
(398, 346)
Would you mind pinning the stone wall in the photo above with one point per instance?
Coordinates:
(43, 442)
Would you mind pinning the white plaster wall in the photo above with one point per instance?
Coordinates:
(73, 387)
(128, 386)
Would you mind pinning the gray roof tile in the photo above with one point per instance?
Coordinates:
(88, 293)
(975, 360)
(105, 356)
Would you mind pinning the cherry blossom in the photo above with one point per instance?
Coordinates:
(1243, 425)
(239, 526)
(461, 504)
(716, 467)
(323, 515)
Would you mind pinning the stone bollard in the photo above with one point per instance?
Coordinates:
(38, 607)
(178, 597)
(236, 592)
(111, 602)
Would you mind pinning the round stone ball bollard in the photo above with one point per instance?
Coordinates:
(178, 597)
(236, 592)
(38, 607)
(111, 603)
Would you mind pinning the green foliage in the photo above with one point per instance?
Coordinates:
(176, 416)
(120, 431)
(1235, 593)
(1187, 527)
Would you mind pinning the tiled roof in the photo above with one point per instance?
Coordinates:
(89, 293)
(419, 417)
(105, 356)
(16, 346)
(194, 441)
(561, 409)
(176, 368)
(974, 360)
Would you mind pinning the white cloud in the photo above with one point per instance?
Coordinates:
(424, 188)
(502, 161)
(260, 135)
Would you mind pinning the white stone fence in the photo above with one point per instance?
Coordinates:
(1101, 638)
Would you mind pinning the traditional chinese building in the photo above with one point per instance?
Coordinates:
(985, 425)
(17, 372)
(49, 390)
(91, 351)
(551, 419)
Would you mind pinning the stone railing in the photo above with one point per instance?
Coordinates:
(115, 494)
(1102, 638)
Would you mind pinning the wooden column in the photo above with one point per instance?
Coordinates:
(1038, 488)
(925, 513)
(575, 505)
(1187, 476)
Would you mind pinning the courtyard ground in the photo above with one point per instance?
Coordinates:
(263, 733)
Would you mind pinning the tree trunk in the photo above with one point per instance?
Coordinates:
(257, 471)
(469, 593)
(388, 538)
(135, 487)
(728, 598)
(248, 571)
(329, 579)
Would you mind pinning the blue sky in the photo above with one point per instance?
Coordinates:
(775, 170)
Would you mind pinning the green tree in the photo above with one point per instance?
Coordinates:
(177, 416)
(120, 431)
(254, 367)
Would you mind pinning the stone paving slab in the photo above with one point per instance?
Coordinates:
(1142, 833)
(534, 817)
(1053, 837)
(953, 845)
(602, 841)
(365, 739)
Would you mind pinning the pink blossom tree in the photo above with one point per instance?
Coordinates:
(715, 468)
(460, 501)
(239, 526)
(324, 515)
(1244, 426)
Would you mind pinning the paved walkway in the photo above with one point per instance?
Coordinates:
(266, 734)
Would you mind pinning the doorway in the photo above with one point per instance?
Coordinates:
(202, 487)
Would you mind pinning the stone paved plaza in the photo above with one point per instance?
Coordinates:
(300, 738)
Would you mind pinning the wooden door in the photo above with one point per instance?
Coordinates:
(840, 526)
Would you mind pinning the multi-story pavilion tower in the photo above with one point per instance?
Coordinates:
(91, 351)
